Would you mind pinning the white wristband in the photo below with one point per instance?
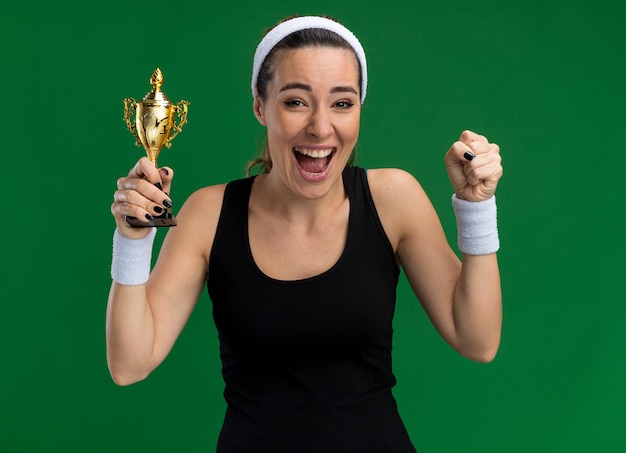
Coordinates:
(477, 226)
(131, 259)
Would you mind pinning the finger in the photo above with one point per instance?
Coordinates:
(154, 193)
(484, 169)
(487, 185)
(468, 137)
(480, 147)
(471, 156)
(142, 193)
(134, 198)
(458, 153)
(144, 168)
(167, 174)
(122, 210)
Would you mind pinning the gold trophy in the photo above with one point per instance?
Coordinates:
(155, 127)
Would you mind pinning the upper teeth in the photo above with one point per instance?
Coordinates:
(315, 153)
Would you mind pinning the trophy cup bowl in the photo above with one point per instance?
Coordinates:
(154, 127)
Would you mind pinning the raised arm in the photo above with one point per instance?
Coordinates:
(146, 313)
(462, 298)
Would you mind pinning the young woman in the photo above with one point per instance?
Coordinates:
(302, 261)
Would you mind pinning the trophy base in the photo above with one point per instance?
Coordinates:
(164, 220)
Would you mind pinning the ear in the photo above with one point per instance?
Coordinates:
(257, 107)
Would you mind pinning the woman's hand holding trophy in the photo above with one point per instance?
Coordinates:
(154, 127)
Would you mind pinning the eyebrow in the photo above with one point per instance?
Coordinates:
(304, 86)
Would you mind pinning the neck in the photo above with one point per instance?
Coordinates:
(272, 195)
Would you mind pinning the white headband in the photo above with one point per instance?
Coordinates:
(284, 29)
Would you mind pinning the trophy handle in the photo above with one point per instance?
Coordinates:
(130, 107)
(181, 111)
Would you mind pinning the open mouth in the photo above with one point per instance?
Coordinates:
(314, 161)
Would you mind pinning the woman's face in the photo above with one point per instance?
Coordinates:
(312, 112)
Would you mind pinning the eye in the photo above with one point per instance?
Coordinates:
(344, 105)
(294, 103)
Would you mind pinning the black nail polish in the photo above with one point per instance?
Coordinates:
(165, 171)
(159, 186)
(158, 209)
(149, 217)
(468, 155)
(167, 203)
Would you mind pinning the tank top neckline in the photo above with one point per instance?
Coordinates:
(313, 278)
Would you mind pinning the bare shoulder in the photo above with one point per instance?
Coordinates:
(390, 175)
(395, 187)
(206, 201)
(401, 202)
(198, 218)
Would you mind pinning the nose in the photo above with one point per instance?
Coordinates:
(320, 124)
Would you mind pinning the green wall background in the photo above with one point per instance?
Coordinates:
(544, 79)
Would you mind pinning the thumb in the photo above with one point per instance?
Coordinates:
(167, 174)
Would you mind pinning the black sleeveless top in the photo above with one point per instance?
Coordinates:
(307, 363)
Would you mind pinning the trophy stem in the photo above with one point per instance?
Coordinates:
(153, 155)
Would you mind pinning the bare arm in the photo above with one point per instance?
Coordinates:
(143, 322)
(463, 300)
